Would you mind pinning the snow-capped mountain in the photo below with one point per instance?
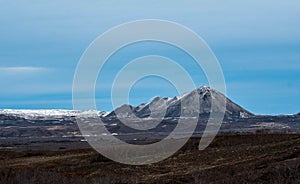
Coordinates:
(172, 107)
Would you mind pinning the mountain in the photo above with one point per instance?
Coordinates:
(160, 114)
(172, 107)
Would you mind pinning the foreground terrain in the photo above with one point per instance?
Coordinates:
(231, 158)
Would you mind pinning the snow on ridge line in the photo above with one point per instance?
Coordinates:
(48, 112)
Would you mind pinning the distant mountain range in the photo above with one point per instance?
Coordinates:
(49, 113)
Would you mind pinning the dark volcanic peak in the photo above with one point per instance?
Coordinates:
(172, 107)
(124, 111)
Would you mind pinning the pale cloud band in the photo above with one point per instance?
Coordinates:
(21, 69)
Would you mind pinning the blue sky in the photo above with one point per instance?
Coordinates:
(256, 42)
